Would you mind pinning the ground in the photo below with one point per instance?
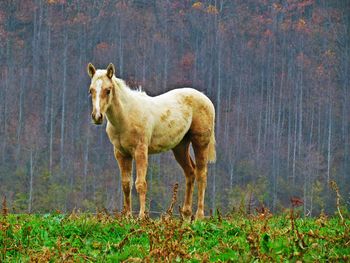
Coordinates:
(104, 237)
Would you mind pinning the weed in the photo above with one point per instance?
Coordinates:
(4, 206)
(335, 188)
(173, 200)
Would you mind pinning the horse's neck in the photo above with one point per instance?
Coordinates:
(119, 109)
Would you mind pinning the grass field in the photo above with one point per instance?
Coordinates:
(104, 237)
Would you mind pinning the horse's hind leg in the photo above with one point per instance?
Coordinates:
(201, 152)
(182, 156)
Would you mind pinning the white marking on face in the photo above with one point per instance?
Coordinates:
(98, 92)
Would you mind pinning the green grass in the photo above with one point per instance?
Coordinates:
(105, 238)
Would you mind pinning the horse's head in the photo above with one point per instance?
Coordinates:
(101, 91)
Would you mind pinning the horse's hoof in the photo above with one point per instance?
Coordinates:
(186, 214)
(126, 214)
(142, 215)
(199, 215)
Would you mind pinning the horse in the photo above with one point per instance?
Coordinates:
(139, 125)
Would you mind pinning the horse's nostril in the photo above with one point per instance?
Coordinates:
(97, 117)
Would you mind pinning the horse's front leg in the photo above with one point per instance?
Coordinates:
(141, 159)
(125, 167)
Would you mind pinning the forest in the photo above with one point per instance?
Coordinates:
(277, 71)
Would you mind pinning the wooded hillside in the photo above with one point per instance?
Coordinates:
(277, 72)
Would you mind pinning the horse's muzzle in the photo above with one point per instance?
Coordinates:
(97, 118)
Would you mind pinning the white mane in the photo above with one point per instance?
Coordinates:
(122, 83)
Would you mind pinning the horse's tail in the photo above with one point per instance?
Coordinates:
(212, 143)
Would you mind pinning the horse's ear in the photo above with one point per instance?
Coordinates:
(110, 70)
(91, 70)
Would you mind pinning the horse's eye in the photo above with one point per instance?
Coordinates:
(108, 91)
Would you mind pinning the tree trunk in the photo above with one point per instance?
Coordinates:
(48, 75)
(329, 142)
(31, 175)
(86, 162)
(20, 112)
(63, 102)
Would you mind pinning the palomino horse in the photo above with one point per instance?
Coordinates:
(138, 125)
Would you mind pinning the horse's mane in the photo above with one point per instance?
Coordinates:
(121, 83)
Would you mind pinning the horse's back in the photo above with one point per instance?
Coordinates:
(189, 98)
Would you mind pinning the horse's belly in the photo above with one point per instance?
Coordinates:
(166, 138)
(162, 145)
